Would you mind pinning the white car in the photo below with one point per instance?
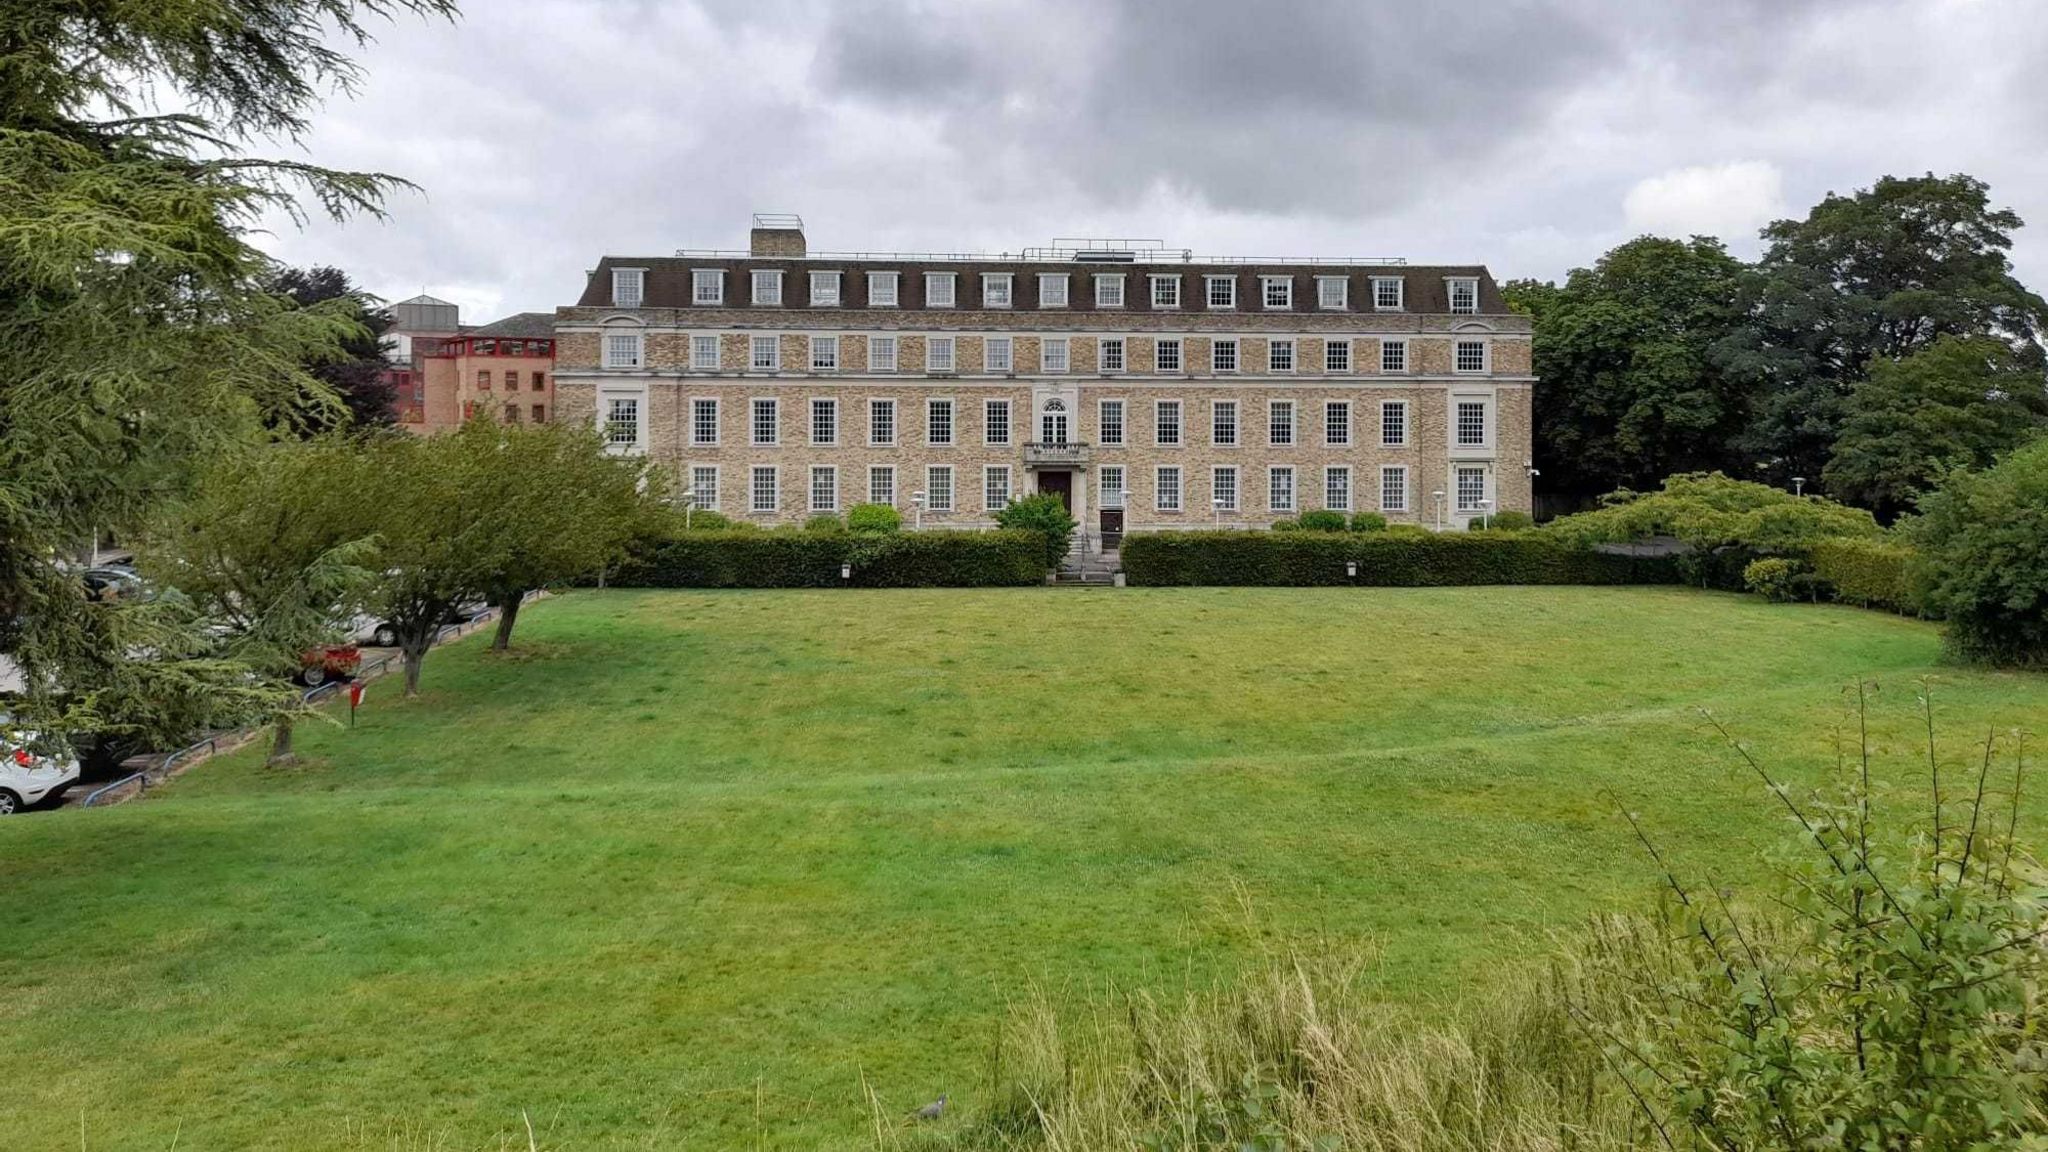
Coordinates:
(28, 777)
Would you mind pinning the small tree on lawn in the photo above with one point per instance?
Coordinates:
(428, 502)
(265, 550)
(565, 507)
(1982, 564)
(1046, 513)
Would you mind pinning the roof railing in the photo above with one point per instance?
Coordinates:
(778, 220)
(1055, 256)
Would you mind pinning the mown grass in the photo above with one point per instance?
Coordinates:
(703, 869)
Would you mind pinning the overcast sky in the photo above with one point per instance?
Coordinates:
(1529, 135)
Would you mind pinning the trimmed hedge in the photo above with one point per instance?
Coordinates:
(1870, 573)
(813, 559)
(1386, 560)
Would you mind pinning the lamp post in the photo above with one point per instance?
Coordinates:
(917, 502)
(1485, 506)
(689, 506)
(1438, 496)
(1799, 485)
(1216, 502)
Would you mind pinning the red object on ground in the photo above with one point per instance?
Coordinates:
(339, 661)
(355, 695)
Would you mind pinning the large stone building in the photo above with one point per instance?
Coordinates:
(1149, 388)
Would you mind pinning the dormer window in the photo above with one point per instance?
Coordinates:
(1052, 290)
(882, 289)
(1109, 291)
(825, 289)
(995, 289)
(767, 286)
(1166, 291)
(1222, 291)
(707, 286)
(1278, 291)
(627, 287)
(938, 289)
(1333, 293)
(1464, 294)
(1386, 293)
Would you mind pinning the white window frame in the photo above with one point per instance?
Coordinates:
(1216, 475)
(1047, 283)
(876, 404)
(989, 359)
(1172, 282)
(1390, 352)
(1051, 363)
(1180, 423)
(1273, 362)
(1217, 347)
(1380, 301)
(697, 440)
(1350, 433)
(831, 504)
(875, 360)
(1123, 354)
(1343, 494)
(932, 404)
(1210, 295)
(888, 298)
(1159, 488)
(1453, 286)
(629, 287)
(824, 353)
(754, 474)
(1398, 411)
(989, 473)
(1280, 414)
(767, 286)
(628, 356)
(754, 422)
(754, 346)
(1342, 300)
(825, 404)
(1102, 492)
(696, 490)
(1458, 347)
(1217, 409)
(941, 299)
(1109, 290)
(990, 297)
(1334, 349)
(1458, 474)
(1397, 474)
(931, 487)
(932, 344)
(875, 494)
(1102, 421)
(700, 279)
(1486, 430)
(1285, 284)
(1180, 354)
(607, 421)
(698, 344)
(989, 408)
(825, 290)
(1276, 501)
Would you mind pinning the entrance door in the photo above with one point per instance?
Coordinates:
(1060, 484)
(1112, 528)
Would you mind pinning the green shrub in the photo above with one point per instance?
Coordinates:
(874, 518)
(1045, 514)
(1384, 559)
(814, 560)
(1368, 522)
(1290, 524)
(1867, 573)
(824, 522)
(705, 520)
(1774, 578)
(1322, 520)
(1981, 563)
(1511, 521)
(1710, 511)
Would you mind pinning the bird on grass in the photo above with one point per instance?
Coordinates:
(931, 1111)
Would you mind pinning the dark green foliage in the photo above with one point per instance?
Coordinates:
(1959, 403)
(1511, 521)
(1712, 512)
(824, 522)
(1290, 524)
(1777, 579)
(1002, 558)
(1368, 522)
(874, 518)
(1046, 514)
(1866, 573)
(1322, 520)
(1982, 565)
(705, 520)
(1384, 559)
(356, 371)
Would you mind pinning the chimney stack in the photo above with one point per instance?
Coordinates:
(776, 234)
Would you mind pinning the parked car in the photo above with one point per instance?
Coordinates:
(384, 634)
(29, 775)
(330, 662)
(112, 582)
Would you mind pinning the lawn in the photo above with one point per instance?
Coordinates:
(693, 867)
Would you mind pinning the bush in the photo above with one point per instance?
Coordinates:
(1711, 511)
(1867, 573)
(1322, 520)
(813, 560)
(874, 518)
(1368, 522)
(1982, 563)
(1775, 579)
(1511, 521)
(1045, 514)
(1290, 524)
(824, 522)
(1384, 559)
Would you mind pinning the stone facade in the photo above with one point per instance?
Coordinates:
(1474, 363)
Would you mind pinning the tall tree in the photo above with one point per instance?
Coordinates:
(1631, 390)
(264, 548)
(1878, 275)
(433, 518)
(1959, 402)
(356, 371)
(137, 334)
